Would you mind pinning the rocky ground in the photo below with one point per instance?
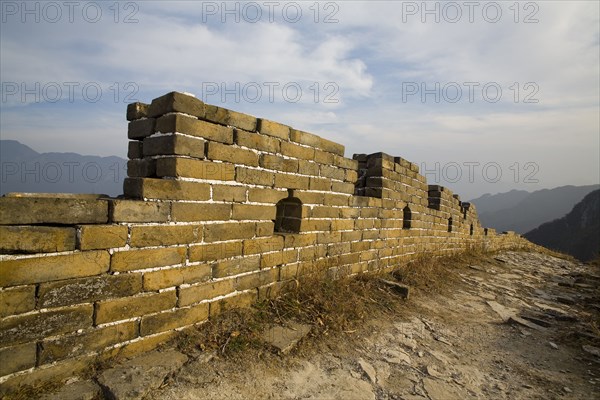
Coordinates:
(517, 325)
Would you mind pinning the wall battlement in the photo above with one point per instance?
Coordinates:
(219, 209)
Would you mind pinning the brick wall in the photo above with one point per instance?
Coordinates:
(219, 209)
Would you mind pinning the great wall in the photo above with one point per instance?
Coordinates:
(219, 209)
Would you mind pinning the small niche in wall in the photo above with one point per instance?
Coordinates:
(450, 224)
(471, 230)
(406, 218)
(289, 215)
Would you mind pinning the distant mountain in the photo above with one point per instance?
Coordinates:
(23, 169)
(577, 233)
(521, 211)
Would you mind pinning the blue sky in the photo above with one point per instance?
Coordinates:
(485, 96)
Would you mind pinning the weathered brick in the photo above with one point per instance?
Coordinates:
(163, 235)
(17, 300)
(17, 358)
(88, 290)
(256, 279)
(278, 258)
(253, 212)
(174, 144)
(178, 318)
(228, 193)
(271, 128)
(260, 195)
(229, 231)
(262, 245)
(215, 251)
(322, 184)
(96, 339)
(221, 152)
(24, 271)
(165, 189)
(179, 123)
(293, 150)
(347, 163)
(312, 140)
(189, 168)
(241, 300)
(164, 278)
(333, 172)
(148, 258)
(265, 228)
(236, 266)
(323, 157)
(186, 212)
(325, 212)
(289, 181)
(308, 168)
(224, 116)
(342, 187)
(332, 199)
(309, 197)
(36, 239)
(137, 110)
(254, 176)
(135, 149)
(301, 240)
(256, 141)
(129, 307)
(24, 209)
(142, 168)
(30, 327)
(196, 293)
(176, 102)
(310, 225)
(278, 163)
(94, 237)
(139, 211)
(351, 176)
(141, 128)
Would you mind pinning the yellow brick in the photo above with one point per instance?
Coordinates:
(242, 300)
(162, 235)
(222, 152)
(253, 212)
(17, 300)
(177, 276)
(36, 239)
(93, 237)
(176, 167)
(129, 307)
(196, 293)
(178, 318)
(148, 258)
(215, 251)
(187, 212)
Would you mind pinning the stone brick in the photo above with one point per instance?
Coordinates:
(265, 228)
(347, 163)
(333, 172)
(30, 327)
(139, 211)
(332, 199)
(253, 212)
(323, 157)
(325, 212)
(256, 279)
(351, 176)
(24, 209)
(165, 189)
(300, 240)
(315, 141)
(260, 195)
(254, 176)
(187, 212)
(342, 187)
(196, 293)
(179, 123)
(224, 116)
(88, 290)
(237, 155)
(17, 358)
(296, 151)
(174, 144)
(271, 128)
(229, 231)
(262, 245)
(141, 128)
(256, 141)
(309, 197)
(228, 193)
(189, 168)
(96, 339)
(236, 266)
(17, 300)
(164, 235)
(141, 168)
(137, 111)
(289, 181)
(308, 168)
(322, 184)
(129, 307)
(135, 150)
(310, 225)
(24, 271)
(148, 258)
(278, 163)
(215, 251)
(36, 239)
(94, 237)
(176, 102)
(278, 258)
(241, 300)
(164, 278)
(178, 318)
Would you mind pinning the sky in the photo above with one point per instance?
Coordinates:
(485, 97)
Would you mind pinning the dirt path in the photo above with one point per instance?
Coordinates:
(457, 346)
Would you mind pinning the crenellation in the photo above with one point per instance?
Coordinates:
(219, 209)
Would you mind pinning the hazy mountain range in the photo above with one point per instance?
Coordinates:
(23, 169)
(577, 233)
